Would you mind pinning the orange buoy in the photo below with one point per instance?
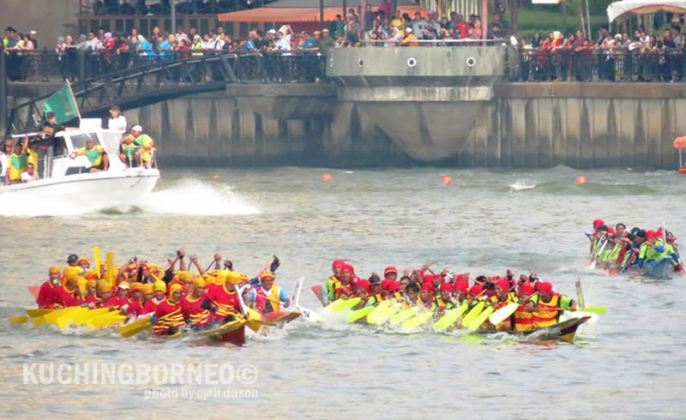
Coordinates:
(215, 176)
(327, 177)
(446, 180)
(581, 180)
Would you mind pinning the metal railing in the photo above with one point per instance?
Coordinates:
(663, 65)
(181, 74)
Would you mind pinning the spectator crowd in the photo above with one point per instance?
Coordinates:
(641, 55)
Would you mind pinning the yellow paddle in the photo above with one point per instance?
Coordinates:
(404, 315)
(110, 268)
(378, 310)
(483, 316)
(386, 313)
(355, 316)
(450, 317)
(66, 319)
(80, 319)
(96, 260)
(37, 312)
(473, 313)
(19, 319)
(52, 316)
(417, 321)
(341, 305)
(135, 327)
(105, 320)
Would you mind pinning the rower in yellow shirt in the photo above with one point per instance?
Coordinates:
(146, 144)
(96, 155)
(16, 164)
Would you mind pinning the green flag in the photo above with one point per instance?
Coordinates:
(63, 104)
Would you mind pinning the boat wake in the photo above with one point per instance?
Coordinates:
(192, 197)
(196, 198)
(521, 186)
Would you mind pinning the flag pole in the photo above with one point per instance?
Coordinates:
(78, 111)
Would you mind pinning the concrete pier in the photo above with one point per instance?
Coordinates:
(420, 106)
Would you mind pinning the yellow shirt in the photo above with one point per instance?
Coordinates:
(32, 158)
(410, 40)
(398, 23)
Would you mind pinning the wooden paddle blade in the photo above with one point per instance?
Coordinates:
(357, 315)
(472, 314)
(404, 315)
(341, 305)
(483, 316)
(451, 317)
(417, 321)
(503, 313)
(15, 320)
(378, 309)
(133, 328)
(596, 309)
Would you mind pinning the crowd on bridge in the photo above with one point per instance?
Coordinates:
(644, 55)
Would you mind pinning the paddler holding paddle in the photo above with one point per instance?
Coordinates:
(222, 299)
(267, 297)
(502, 298)
(47, 296)
(191, 305)
(168, 317)
(547, 305)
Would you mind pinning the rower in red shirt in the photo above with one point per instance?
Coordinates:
(168, 317)
(120, 299)
(135, 306)
(159, 295)
(47, 296)
(222, 300)
(92, 299)
(67, 295)
(191, 305)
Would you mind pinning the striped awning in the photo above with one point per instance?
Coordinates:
(642, 7)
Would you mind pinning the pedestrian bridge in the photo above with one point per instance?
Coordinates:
(165, 78)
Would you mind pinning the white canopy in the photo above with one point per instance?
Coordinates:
(641, 7)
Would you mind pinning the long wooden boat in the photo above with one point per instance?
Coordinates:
(565, 331)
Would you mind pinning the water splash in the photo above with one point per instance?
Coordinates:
(196, 198)
(521, 185)
(190, 197)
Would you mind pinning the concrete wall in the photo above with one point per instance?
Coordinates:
(523, 126)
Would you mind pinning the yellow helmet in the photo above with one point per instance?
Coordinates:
(199, 282)
(175, 287)
(228, 276)
(147, 288)
(104, 286)
(160, 286)
(185, 276)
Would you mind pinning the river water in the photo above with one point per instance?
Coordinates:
(629, 363)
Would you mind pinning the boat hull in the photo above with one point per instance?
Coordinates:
(565, 331)
(86, 192)
(658, 269)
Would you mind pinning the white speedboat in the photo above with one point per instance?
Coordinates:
(71, 182)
